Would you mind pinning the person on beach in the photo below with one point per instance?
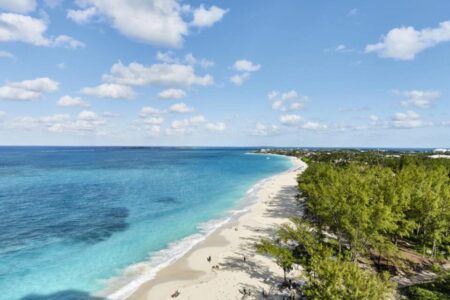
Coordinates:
(292, 294)
(208, 259)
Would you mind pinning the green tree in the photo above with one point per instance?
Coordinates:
(334, 279)
(283, 255)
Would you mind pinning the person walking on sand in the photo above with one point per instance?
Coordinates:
(292, 294)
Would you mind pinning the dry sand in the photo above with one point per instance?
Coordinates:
(193, 276)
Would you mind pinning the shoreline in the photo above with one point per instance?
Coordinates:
(192, 275)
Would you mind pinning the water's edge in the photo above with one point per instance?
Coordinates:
(133, 276)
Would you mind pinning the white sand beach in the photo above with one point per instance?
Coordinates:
(231, 249)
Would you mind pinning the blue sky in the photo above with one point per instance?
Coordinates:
(225, 73)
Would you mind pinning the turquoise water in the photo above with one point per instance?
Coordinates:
(72, 218)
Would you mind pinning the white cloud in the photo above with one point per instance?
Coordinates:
(28, 89)
(108, 114)
(166, 57)
(262, 129)
(293, 95)
(278, 105)
(20, 28)
(187, 126)
(157, 74)
(190, 59)
(405, 43)
(353, 12)
(314, 126)
(273, 94)
(219, 126)
(85, 122)
(61, 66)
(153, 130)
(290, 119)
(179, 127)
(181, 108)
(68, 101)
(157, 22)
(343, 49)
(6, 54)
(244, 65)
(87, 115)
(82, 16)
(18, 6)
(2, 114)
(206, 63)
(67, 42)
(287, 101)
(150, 121)
(204, 17)
(421, 99)
(199, 119)
(172, 94)
(345, 127)
(42, 85)
(239, 79)
(296, 106)
(147, 111)
(109, 90)
(14, 27)
(374, 118)
(340, 47)
(53, 3)
(153, 120)
(169, 57)
(408, 119)
(26, 123)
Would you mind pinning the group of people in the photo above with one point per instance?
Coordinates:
(215, 267)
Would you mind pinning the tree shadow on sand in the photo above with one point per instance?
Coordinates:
(254, 269)
(262, 273)
(284, 203)
(63, 295)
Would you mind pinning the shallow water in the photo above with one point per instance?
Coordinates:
(72, 218)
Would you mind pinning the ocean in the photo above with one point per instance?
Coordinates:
(77, 220)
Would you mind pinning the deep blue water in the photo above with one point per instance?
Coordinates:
(73, 217)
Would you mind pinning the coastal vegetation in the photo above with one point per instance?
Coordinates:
(369, 218)
(436, 290)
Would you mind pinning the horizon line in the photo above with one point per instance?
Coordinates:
(243, 146)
